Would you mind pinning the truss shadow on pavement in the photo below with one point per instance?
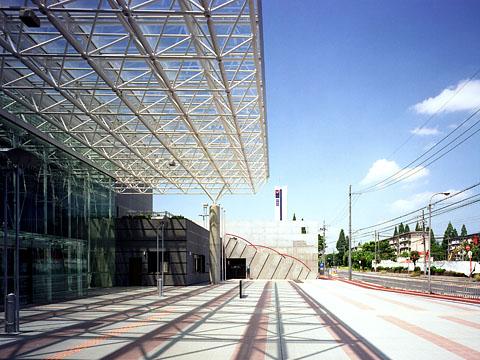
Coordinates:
(28, 344)
(140, 346)
(357, 344)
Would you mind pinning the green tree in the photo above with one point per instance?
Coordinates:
(476, 253)
(414, 256)
(438, 253)
(395, 233)
(294, 217)
(401, 229)
(417, 227)
(463, 231)
(364, 256)
(407, 229)
(385, 251)
(321, 247)
(342, 246)
(330, 259)
(448, 235)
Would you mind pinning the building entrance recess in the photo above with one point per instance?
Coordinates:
(236, 268)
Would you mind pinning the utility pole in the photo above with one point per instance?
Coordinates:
(424, 245)
(350, 233)
(430, 239)
(324, 245)
(375, 250)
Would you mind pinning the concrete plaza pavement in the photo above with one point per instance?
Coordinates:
(277, 320)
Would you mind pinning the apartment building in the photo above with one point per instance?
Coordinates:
(411, 241)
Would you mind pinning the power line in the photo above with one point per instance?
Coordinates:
(419, 209)
(411, 220)
(344, 211)
(407, 172)
(418, 168)
(400, 174)
(435, 213)
(474, 75)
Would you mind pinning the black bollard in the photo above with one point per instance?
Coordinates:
(10, 311)
(241, 295)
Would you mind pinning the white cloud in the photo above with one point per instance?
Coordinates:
(424, 131)
(465, 96)
(422, 199)
(413, 202)
(384, 168)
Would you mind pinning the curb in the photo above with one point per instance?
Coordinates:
(409, 292)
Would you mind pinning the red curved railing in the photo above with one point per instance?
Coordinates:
(269, 248)
(241, 238)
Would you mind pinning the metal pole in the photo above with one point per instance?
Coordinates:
(430, 236)
(221, 246)
(158, 263)
(17, 249)
(89, 233)
(222, 252)
(429, 244)
(324, 249)
(224, 249)
(5, 239)
(163, 251)
(424, 245)
(375, 250)
(350, 233)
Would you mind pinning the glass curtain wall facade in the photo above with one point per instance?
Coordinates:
(66, 228)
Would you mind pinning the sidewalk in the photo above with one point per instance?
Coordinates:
(276, 320)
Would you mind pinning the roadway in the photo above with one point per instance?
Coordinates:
(277, 320)
(444, 285)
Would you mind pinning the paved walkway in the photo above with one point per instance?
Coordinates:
(277, 320)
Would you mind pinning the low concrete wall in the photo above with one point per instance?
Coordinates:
(457, 266)
(265, 263)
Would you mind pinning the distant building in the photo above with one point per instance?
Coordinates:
(411, 241)
(281, 203)
(294, 239)
(456, 251)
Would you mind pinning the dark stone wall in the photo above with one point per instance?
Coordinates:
(197, 243)
(137, 238)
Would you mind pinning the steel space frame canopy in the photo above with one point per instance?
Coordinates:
(165, 95)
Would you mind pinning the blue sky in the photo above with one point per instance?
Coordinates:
(343, 79)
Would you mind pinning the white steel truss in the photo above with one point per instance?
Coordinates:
(166, 95)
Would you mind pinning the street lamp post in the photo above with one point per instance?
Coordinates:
(163, 254)
(430, 237)
(160, 280)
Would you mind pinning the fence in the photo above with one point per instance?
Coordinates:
(459, 287)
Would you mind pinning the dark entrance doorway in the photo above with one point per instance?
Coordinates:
(135, 271)
(236, 268)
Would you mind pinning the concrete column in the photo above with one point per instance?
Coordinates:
(215, 244)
